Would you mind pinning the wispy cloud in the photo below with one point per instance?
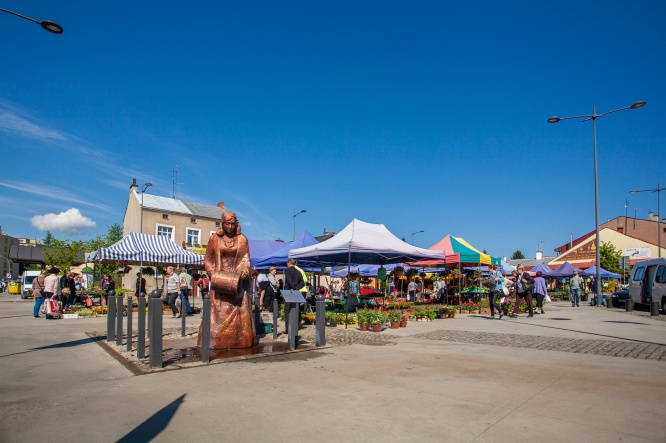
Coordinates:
(53, 194)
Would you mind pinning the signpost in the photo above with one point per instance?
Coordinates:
(624, 264)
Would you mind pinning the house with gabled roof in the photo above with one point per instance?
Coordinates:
(186, 223)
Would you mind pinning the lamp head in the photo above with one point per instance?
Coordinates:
(51, 26)
(148, 185)
(637, 105)
(633, 191)
(554, 119)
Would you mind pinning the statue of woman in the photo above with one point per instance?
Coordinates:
(227, 262)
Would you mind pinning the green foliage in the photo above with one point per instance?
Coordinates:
(378, 317)
(609, 257)
(517, 255)
(363, 316)
(395, 315)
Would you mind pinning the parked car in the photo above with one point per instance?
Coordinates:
(647, 283)
(620, 297)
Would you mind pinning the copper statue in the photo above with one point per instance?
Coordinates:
(227, 262)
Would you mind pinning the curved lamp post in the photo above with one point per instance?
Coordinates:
(295, 214)
(658, 191)
(50, 26)
(146, 186)
(586, 118)
(414, 233)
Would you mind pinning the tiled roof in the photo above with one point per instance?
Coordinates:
(176, 206)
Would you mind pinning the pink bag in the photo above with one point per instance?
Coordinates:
(88, 302)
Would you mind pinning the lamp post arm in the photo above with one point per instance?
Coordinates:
(19, 15)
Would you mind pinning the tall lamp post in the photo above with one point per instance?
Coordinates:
(46, 24)
(146, 186)
(586, 118)
(295, 214)
(658, 191)
(414, 233)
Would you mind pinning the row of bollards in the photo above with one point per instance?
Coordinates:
(114, 326)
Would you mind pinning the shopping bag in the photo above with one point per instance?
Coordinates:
(44, 307)
(88, 302)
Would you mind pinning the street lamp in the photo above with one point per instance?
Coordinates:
(416, 232)
(295, 214)
(46, 24)
(658, 191)
(586, 118)
(146, 186)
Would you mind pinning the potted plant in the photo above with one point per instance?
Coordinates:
(403, 321)
(443, 311)
(377, 319)
(395, 316)
(452, 311)
(363, 319)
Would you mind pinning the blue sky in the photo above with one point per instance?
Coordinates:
(419, 115)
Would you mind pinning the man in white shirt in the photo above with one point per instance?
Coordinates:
(172, 285)
(185, 290)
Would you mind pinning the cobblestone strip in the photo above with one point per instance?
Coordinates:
(339, 336)
(621, 349)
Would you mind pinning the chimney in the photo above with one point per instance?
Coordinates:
(655, 217)
(649, 217)
(220, 205)
(539, 254)
(133, 186)
(620, 229)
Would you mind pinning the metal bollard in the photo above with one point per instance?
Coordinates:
(183, 314)
(294, 316)
(111, 319)
(276, 314)
(141, 333)
(119, 320)
(130, 305)
(629, 305)
(155, 332)
(654, 309)
(205, 330)
(609, 302)
(320, 324)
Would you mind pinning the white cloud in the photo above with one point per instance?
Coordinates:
(70, 222)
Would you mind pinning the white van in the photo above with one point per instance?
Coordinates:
(26, 283)
(648, 282)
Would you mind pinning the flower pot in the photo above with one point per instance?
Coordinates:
(443, 315)
(376, 328)
(452, 315)
(364, 327)
(403, 324)
(395, 324)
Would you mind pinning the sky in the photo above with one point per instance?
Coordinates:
(421, 115)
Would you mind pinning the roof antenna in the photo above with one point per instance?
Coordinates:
(174, 180)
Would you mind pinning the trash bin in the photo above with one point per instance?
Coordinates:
(14, 288)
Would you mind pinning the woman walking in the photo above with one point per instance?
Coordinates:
(524, 285)
(496, 280)
(540, 291)
(38, 292)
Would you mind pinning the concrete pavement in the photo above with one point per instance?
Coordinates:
(464, 379)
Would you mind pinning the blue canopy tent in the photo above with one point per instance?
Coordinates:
(565, 270)
(259, 248)
(541, 267)
(602, 272)
(279, 257)
(363, 270)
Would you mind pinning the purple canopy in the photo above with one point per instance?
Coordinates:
(541, 267)
(566, 270)
(592, 271)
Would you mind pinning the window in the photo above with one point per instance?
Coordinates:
(217, 224)
(211, 233)
(165, 230)
(661, 274)
(165, 216)
(193, 221)
(638, 274)
(193, 236)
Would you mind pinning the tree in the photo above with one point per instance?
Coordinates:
(609, 257)
(517, 255)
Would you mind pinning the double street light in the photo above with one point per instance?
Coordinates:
(295, 214)
(658, 191)
(46, 24)
(586, 118)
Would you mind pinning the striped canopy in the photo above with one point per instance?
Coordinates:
(146, 248)
(457, 252)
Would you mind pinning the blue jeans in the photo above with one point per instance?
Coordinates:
(38, 305)
(185, 301)
(575, 297)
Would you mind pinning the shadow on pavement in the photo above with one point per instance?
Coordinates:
(67, 344)
(155, 424)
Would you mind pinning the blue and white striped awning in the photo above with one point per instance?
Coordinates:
(146, 248)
